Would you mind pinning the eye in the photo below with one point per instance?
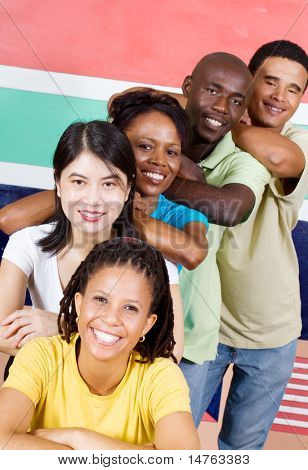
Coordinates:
(293, 91)
(131, 308)
(78, 182)
(145, 147)
(108, 184)
(269, 82)
(100, 299)
(172, 153)
(211, 91)
(236, 102)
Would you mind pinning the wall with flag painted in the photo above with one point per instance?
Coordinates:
(61, 61)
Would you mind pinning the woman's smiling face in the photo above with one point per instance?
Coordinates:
(92, 195)
(157, 149)
(114, 313)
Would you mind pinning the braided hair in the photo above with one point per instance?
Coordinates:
(136, 254)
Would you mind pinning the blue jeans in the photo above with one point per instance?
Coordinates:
(195, 375)
(259, 380)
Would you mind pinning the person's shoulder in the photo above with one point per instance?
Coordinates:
(53, 347)
(159, 365)
(33, 233)
(298, 135)
(171, 205)
(291, 131)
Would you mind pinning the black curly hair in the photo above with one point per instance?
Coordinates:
(281, 48)
(159, 341)
(124, 109)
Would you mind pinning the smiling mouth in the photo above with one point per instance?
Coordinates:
(154, 177)
(91, 216)
(213, 122)
(273, 109)
(105, 338)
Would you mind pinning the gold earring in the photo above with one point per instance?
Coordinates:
(141, 339)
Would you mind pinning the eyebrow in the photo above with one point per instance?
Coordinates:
(78, 175)
(276, 79)
(235, 93)
(101, 292)
(154, 140)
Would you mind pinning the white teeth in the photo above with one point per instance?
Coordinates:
(213, 122)
(275, 109)
(91, 216)
(155, 176)
(105, 337)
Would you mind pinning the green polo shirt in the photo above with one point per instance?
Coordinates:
(200, 288)
(260, 282)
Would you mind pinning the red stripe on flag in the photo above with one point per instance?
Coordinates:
(294, 416)
(296, 404)
(289, 429)
(296, 370)
(302, 359)
(293, 391)
(298, 382)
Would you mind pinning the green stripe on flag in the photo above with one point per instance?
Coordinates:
(32, 123)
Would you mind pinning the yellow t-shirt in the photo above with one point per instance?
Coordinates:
(46, 371)
(259, 269)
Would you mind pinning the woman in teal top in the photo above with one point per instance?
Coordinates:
(156, 126)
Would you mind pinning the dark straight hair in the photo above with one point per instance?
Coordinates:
(106, 142)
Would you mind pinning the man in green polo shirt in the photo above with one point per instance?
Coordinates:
(224, 183)
(260, 319)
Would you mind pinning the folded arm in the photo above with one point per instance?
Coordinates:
(175, 431)
(16, 411)
(225, 206)
(187, 247)
(18, 324)
(277, 153)
(31, 210)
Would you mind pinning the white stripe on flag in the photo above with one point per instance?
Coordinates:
(291, 422)
(298, 398)
(291, 409)
(298, 386)
(299, 376)
(82, 86)
(300, 365)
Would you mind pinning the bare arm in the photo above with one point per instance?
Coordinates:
(18, 324)
(225, 206)
(277, 153)
(188, 248)
(84, 439)
(175, 431)
(31, 210)
(14, 281)
(16, 411)
(178, 330)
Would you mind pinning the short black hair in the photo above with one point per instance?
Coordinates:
(134, 253)
(281, 48)
(125, 108)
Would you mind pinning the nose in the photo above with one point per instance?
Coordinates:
(110, 315)
(92, 195)
(158, 157)
(279, 93)
(221, 104)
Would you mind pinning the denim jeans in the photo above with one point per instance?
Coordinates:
(195, 375)
(260, 377)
